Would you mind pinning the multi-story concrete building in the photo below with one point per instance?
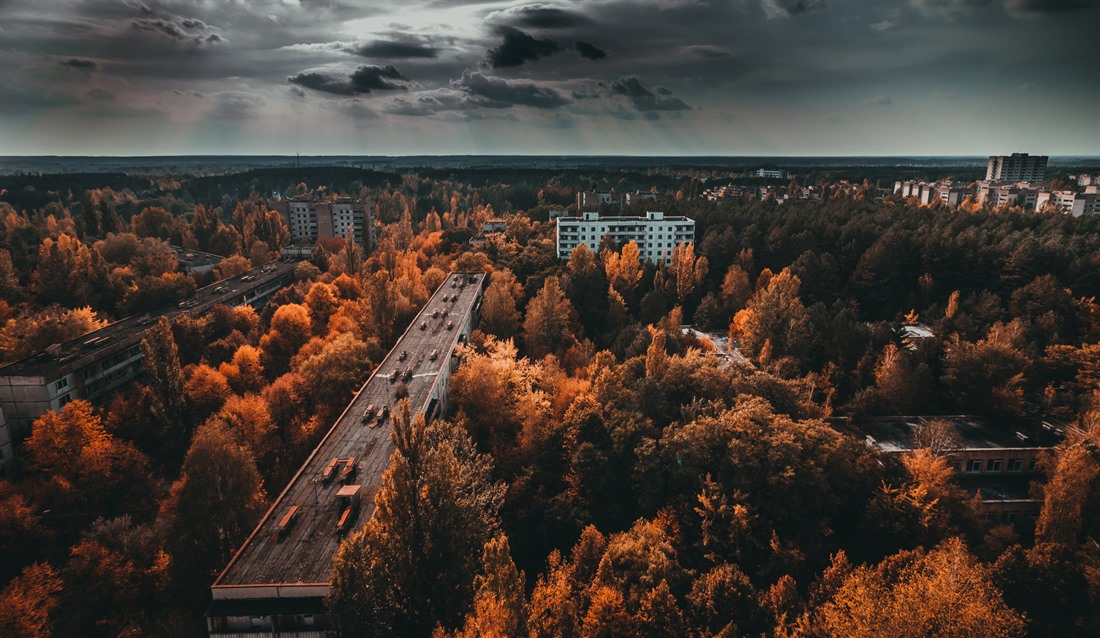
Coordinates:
(950, 193)
(98, 364)
(772, 173)
(1069, 202)
(309, 219)
(996, 195)
(1018, 167)
(589, 199)
(996, 464)
(654, 234)
(276, 583)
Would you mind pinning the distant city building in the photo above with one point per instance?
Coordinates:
(950, 193)
(588, 199)
(1018, 167)
(640, 196)
(1069, 202)
(310, 219)
(557, 213)
(772, 174)
(654, 234)
(100, 363)
(1088, 180)
(996, 195)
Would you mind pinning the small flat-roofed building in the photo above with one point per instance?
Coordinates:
(655, 235)
(276, 583)
(96, 365)
(999, 464)
(192, 262)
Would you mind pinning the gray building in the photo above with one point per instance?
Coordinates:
(1018, 167)
(276, 583)
(96, 365)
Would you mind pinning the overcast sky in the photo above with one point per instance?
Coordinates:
(637, 77)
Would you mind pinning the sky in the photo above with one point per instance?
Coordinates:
(601, 77)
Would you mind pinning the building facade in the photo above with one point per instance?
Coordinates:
(655, 235)
(994, 464)
(1018, 167)
(1069, 202)
(98, 364)
(310, 219)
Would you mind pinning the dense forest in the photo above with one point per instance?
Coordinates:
(602, 472)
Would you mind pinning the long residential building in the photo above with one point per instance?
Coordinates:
(276, 583)
(655, 235)
(992, 463)
(309, 219)
(96, 365)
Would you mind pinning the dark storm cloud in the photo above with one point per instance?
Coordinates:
(76, 63)
(788, 8)
(499, 93)
(177, 28)
(363, 80)
(590, 51)
(100, 95)
(539, 16)
(1035, 8)
(519, 47)
(388, 49)
(645, 99)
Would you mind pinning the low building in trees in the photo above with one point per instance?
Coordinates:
(98, 364)
(999, 464)
(655, 235)
(192, 262)
(309, 218)
(277, 582)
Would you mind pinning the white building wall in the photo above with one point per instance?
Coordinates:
(655, 235)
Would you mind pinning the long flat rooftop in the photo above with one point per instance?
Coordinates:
(75, 353)
(895, 434)
(296, 553)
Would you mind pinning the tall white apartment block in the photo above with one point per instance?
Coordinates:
(1018, 167)
(654, 234)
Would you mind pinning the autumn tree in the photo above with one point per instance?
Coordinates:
(499, 609)
(551, 323)
(85, 469)
(944, 593)
(290, 330)
(29, 602)
(219, 479)
(499, 315)
(687, 270)
(160, 358)
(413, 564)
(775, 319)
(337, 371)
(624, 268)
(69, 272)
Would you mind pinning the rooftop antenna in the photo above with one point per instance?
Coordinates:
(298, 157)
